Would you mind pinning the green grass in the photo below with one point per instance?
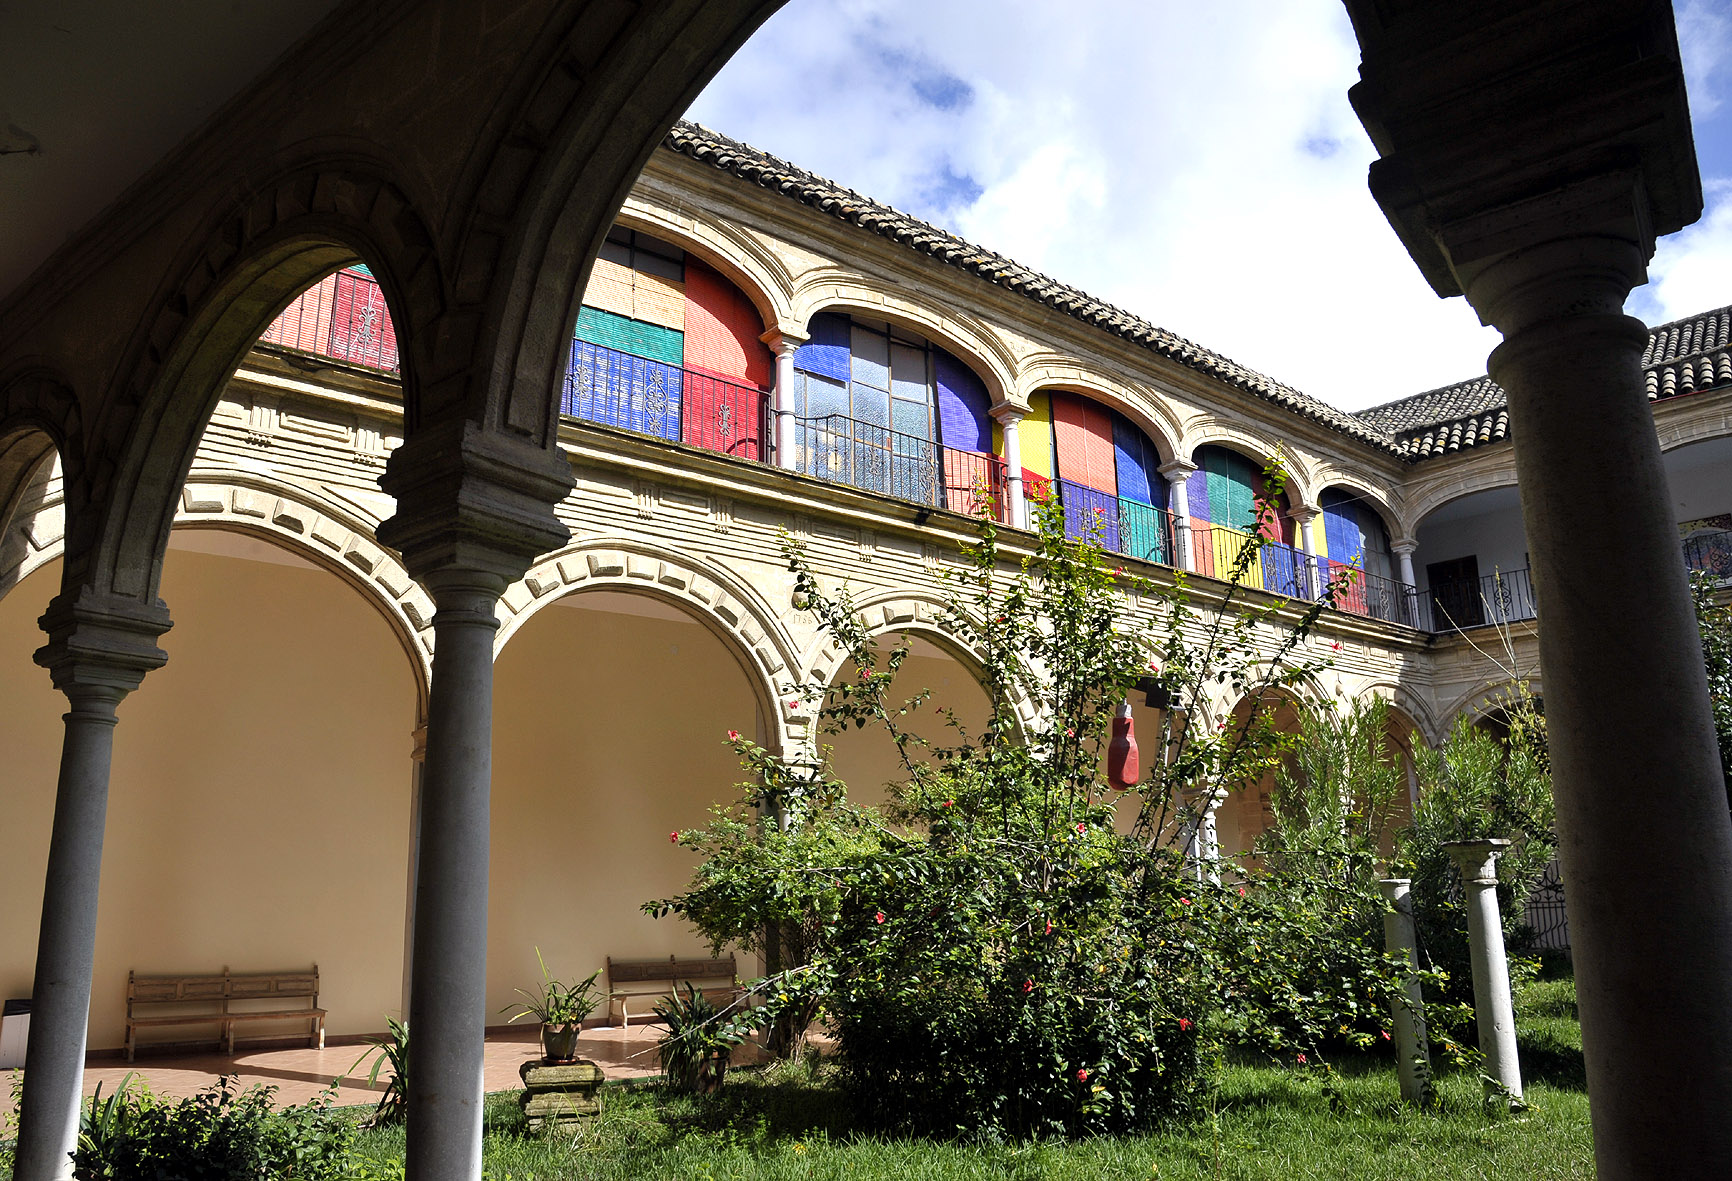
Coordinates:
(1269, 1123)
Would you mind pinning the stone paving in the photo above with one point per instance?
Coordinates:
(300, 1073)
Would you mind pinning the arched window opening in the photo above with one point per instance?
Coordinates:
(881, 408)
(342, 317)
(1353, 557)
(664, 344)
(1230, 501)
(1104, 470)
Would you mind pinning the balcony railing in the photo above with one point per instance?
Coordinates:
(878, 459)
(1709, 553)
(343, 316)
(681, 405)
(1489, 600)
(1124, 526)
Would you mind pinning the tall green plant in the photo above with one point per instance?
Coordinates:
(1476, 785)
(1714, 623)
(1011, 942)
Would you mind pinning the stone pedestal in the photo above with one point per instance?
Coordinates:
(556, 1097)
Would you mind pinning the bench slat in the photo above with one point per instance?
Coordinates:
(283, 1015)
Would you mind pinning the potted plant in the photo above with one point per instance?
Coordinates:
(561, 1009)
(700, 1040)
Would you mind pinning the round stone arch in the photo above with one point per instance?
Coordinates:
(921, 615)
(723, 603)
(1379, 502)
(1462, 486)
(1149, 414)
(740, 258)
(1300, 486)
(1411, 705)
(39, 419)
(255, 255)
(334, 538)
(1483, 698)
(973, 341)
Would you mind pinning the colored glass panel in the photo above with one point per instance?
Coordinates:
(722, 328)
(1138, 464)
(361, 328)
(650, 341)
(1083, 441)
(963, 421)
(826, 351)
(614, 387)
(1036, 436)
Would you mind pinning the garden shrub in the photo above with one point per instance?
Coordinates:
(1476, 785)
(1012, 944)
(220, 1133)
(1714, 624)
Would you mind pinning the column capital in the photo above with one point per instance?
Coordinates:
(473, 500)
(783, 342)
(1403, 545)
(1304, 514)
(99, 645)
(1177, 469)
(1477, 860)
(1008, 412)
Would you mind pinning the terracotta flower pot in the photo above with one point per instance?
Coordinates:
(560, 1041)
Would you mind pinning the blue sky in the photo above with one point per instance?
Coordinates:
(1197, 164)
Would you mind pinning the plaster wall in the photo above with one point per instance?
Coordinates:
(609, 734)
(258, 810)
(1495, 537)
(1696, 476)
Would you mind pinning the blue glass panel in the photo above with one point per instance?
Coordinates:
(608, 386)
(826, 352)
(870, 363)
(1086, 507)
(962, 406)
(1138, 464)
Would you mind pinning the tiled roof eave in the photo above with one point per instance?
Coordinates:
(705, 146)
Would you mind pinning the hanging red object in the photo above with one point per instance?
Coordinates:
(1123, 770)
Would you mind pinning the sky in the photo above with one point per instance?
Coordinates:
(1196, 164)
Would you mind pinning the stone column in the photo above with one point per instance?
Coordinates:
(1302, 516)
(1408, 1016)
(1202, 844)
(97, 652)
(784, 345)
(1477, 862)
(1177, 472)
(1402, 548)
(1653, 946)
(1016, 500)
(474, 511)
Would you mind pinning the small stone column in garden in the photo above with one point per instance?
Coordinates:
(1477, 861)
(559, 1096)
(1408, 1015)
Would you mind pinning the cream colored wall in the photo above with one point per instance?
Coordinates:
(609, 733)
(259, 802)
(866, 759)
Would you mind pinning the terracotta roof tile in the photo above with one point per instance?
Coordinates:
(1683, 357)
(748, 163)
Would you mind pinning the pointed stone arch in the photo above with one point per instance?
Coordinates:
(721, 601)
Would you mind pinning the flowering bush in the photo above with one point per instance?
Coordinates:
(1012, 943)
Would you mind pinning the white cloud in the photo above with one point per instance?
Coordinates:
(1197, 164)
(1692, 270)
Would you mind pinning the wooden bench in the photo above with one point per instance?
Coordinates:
(225, 999)
(652, 980)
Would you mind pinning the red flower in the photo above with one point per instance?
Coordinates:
(674, 838)
(1153, 667)
(1082, 828)
(1335, 644)
(1184, 1023)
(733, 735)
(1384, 1034)
(1069, 733)
(950, 803)
(1083, 1074)
(1184, 902)
(865, 673)
(880, 916)
(1302, 1060)
(1049, 926)
(1241, 891)
(1118, 571)
(793, 705)
(1028, 986)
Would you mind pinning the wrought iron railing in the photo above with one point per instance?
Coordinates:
(1491, 599)
(681, 405)
(1709, 553)
(1124, 526)
(1375, 596)
(878, 459)
(343, 316)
